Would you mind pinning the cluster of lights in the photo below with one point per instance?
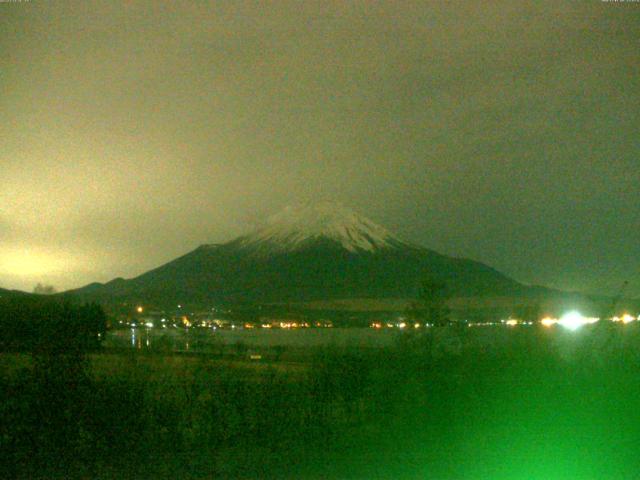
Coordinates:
(400, 325)
(512, 322)
(570, 321)
(483, 324)
(574, 320)
(626, 318)
(287, 325)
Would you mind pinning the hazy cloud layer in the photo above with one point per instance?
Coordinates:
(502, 131)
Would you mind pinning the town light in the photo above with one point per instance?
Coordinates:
(548, 321)
(626, 318)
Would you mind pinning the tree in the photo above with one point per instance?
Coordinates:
(529, 313)
(46, 325)
(42, 289)
(431, 304)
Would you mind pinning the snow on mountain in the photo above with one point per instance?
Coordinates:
(295, 227)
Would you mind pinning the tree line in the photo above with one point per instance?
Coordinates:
(44, 325)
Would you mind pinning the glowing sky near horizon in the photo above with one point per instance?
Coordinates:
(507, 132)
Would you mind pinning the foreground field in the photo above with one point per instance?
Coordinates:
(451, 404)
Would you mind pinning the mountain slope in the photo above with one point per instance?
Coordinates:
(315, 252)
(13, 293)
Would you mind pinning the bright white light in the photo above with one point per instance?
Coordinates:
(574, 320)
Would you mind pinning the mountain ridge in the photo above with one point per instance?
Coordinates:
(308, 253)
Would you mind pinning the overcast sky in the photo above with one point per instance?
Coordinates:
(507, 132)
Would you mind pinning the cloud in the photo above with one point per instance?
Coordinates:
(135, 132)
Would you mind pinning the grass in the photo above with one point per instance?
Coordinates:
(453, 404)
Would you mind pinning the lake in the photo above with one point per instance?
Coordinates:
(208, 340)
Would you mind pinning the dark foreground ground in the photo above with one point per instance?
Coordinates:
(522, 403)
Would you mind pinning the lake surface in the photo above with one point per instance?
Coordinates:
(305, 340)
(204, 340)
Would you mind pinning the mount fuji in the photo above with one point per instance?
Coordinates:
(322, 251)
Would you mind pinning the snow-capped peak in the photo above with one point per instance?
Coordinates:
(294, 227)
